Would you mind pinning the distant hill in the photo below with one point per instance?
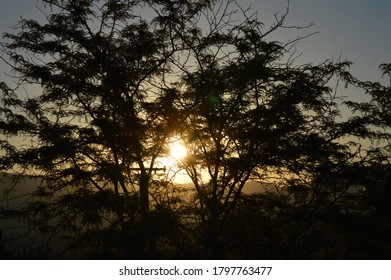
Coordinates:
(13, 192)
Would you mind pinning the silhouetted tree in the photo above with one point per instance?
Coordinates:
(338, 208)
(101, 115)
(250, 113)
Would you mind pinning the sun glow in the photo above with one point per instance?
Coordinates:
(178, 151)
(172, 162)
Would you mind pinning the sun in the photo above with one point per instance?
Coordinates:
(178, 151)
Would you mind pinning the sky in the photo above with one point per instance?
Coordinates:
(356, 30)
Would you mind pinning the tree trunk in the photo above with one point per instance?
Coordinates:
(212, 232)
(144, 194)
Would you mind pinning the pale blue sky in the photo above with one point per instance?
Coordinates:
(357, 30)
